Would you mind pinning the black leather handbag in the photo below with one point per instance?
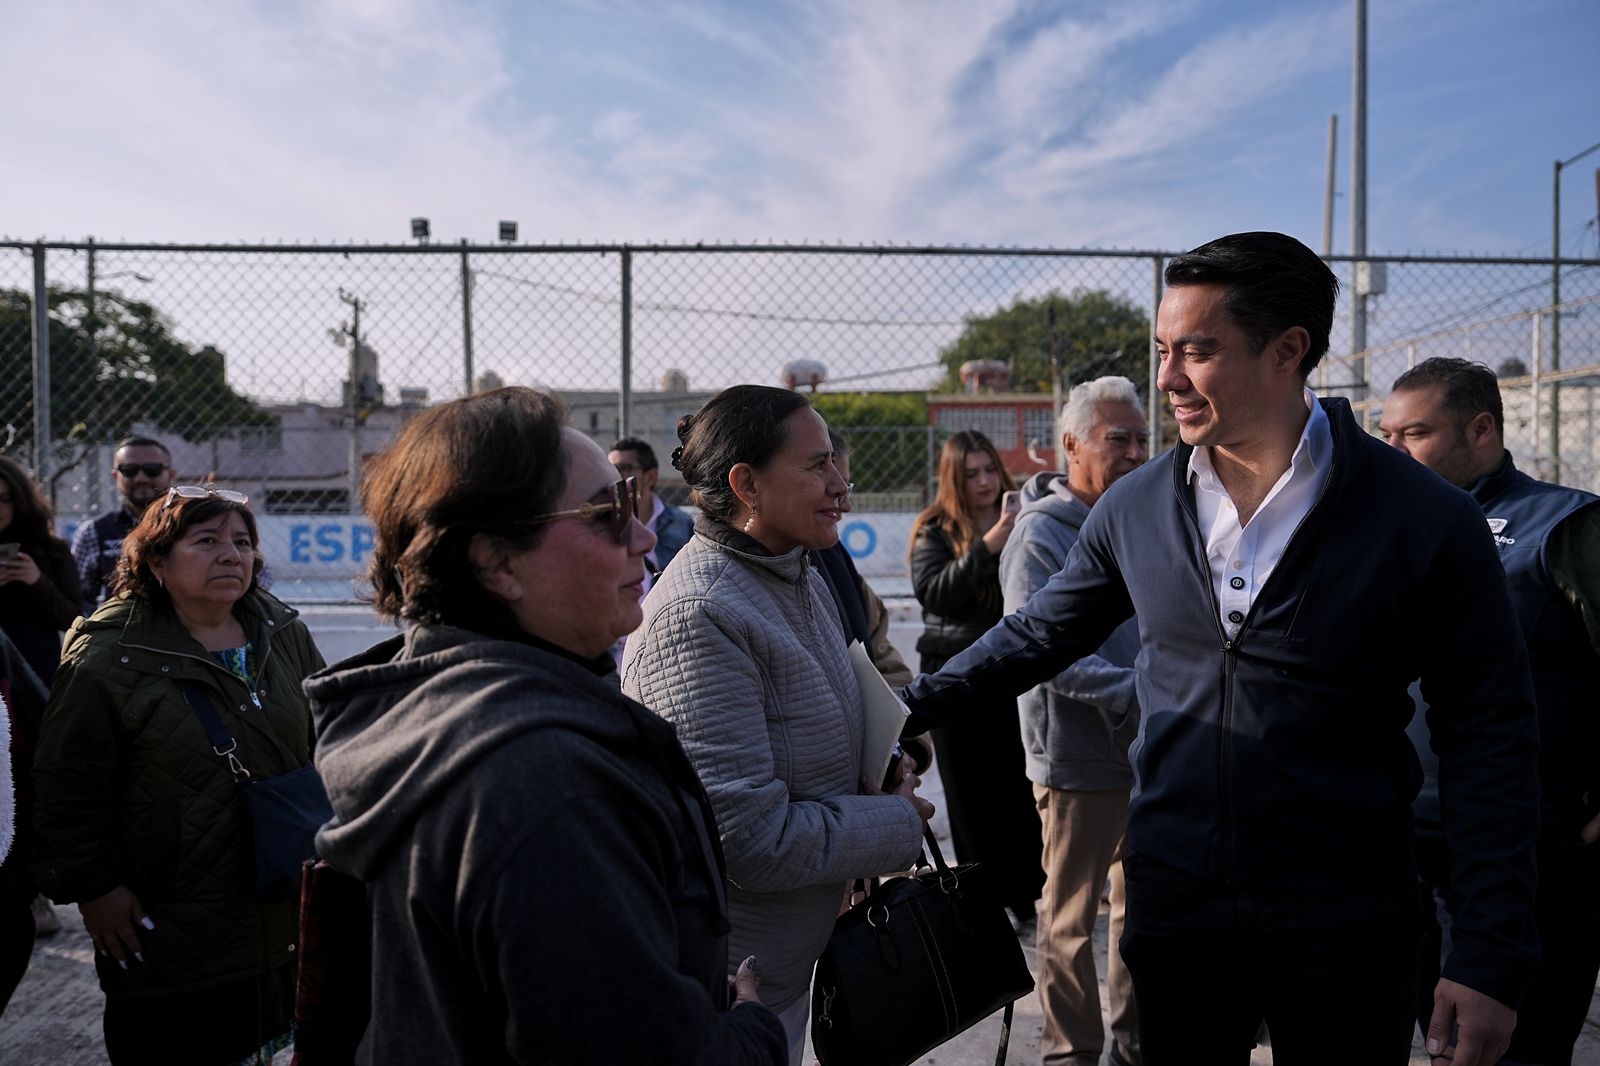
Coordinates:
(926, 956)
(283, 812)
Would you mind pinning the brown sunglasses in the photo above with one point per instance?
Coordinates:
(617, 513)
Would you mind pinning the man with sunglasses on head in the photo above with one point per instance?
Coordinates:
(143, 473)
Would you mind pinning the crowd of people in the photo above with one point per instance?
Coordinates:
(1317, 712)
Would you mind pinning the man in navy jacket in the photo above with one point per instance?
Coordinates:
(1291, 577)
(1447, 415)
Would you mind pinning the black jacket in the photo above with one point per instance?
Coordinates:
(960, 595)
(544, 879)
(1278, 760)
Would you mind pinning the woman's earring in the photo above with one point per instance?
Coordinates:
(748, 522)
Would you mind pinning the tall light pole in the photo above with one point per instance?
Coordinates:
(1555, 315)
(1358, 203)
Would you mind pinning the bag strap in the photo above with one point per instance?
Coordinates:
(939, 864)
(222, 741)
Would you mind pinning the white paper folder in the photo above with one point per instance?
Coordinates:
(883, 714)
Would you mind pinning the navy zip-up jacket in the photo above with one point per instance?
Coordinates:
(1278, 760)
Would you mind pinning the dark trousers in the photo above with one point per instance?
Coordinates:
(1329, 973)
(1567, 915)
(987, 794)
(213, 1026)
(16, 947)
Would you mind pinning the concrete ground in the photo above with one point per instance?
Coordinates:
(54, 1018)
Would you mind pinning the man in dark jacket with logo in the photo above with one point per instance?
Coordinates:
(1291, 576)
(1076, 728)
(1446, 414)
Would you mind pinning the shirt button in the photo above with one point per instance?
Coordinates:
(164, 669)
(124, 658)
(1237, 582)
(1238, 564)
(1236, 617)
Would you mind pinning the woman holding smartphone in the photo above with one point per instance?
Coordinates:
(38, 579)
(955, 572)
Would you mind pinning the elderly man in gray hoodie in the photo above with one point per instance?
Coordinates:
(1076, 729)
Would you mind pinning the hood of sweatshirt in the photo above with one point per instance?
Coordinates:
(1046, 494)
(405, 720)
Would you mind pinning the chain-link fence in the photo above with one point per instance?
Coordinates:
(278, 370)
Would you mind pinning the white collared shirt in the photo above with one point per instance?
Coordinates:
(1243, 557)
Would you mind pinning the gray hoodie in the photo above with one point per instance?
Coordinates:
(1077, 726)
(543, 876)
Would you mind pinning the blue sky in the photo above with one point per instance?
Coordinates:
(1127, 124)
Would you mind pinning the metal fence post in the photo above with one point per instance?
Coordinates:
(466, 318)
(91, 329)
(41, 368)
(1154, 412)
(625, 391)
(1538, 373)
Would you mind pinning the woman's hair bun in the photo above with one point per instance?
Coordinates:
(685, 426)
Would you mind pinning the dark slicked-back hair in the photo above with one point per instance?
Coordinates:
(142, 442)
(1274, 283)
(481, 464)
(1468, 388)
(641, 448)
(742, 424)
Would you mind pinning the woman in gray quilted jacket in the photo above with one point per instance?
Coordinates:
(742, 650)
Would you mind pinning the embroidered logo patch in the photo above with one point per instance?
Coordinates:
(1497, 526)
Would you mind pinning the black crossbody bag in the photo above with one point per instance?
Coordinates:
(283, 813)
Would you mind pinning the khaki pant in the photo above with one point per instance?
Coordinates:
(1083, 839)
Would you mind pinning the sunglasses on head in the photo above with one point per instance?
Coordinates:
(133, 470)
(616, 512)
(200, 492)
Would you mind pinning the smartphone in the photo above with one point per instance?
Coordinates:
(1011, 502)
(8, 552)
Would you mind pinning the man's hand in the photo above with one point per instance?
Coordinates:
(1591, 832)
(1482, 1025)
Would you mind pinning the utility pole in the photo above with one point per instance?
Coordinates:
(1358, 205)
(1328, 191)
(1555, 314)
(1055, 390)
(353, 396)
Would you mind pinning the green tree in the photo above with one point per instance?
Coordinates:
(136, 371)
(888, 434)
(1095, 334)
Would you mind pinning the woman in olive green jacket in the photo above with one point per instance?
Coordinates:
(139, 819)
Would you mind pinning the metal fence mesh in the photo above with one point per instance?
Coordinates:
(279, 370)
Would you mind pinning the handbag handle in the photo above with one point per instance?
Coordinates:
(222, 741)
(949, 880)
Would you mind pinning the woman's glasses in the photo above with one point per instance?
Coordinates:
(200, 492)
(617, 512)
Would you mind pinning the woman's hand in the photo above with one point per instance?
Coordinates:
(111, 920)
(746, 984)
(22, 568)
(1000, 532)
(905, 787)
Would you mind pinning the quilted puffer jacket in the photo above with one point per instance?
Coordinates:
(743, 652)
(130, 793)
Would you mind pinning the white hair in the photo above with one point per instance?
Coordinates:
(1077, 414)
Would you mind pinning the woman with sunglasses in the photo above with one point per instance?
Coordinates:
(140, 820)
(743, 651)
(541, 865)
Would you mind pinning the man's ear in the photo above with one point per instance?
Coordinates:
(491, 563)
(1290, 349)
(1069, 444)
(1480, 431)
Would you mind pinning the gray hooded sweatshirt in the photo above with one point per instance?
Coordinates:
(1077, 726)
(541, 863)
